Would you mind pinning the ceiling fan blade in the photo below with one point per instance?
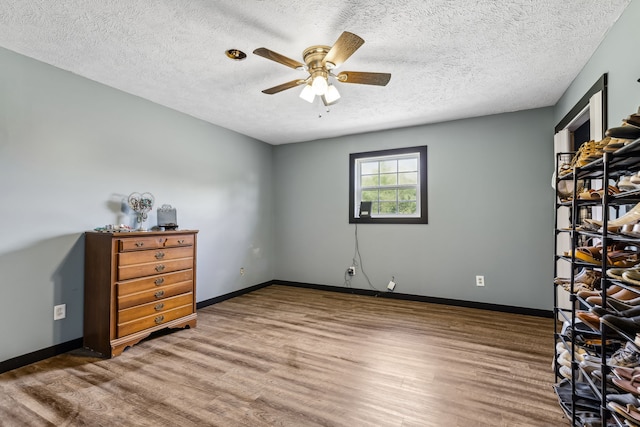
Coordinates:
(274, 56)
(378, 79)
(283, 86)
(343, 48)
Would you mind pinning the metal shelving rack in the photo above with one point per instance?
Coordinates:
(609, 168)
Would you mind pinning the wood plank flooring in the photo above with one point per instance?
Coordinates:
(285, 356)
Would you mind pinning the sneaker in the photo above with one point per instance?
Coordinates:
(625, 357)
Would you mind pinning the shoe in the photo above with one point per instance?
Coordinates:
(625, 184)
(622, 305)
(589, 365)
(623, 295)
(586, 276)
(628, 325)
(625, 357)
(610, 291)
(629, 412)
(623, 132)
(565, 372)
(632, 312)
(589, 194)
(631, 217)
(601, 311)
(596, 293)
(623, 399)
(633, 120)
(632, 276)
(590, 319)
(626, 373)
(616, 273)
(617, 256)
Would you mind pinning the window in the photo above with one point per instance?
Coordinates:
(394, 181)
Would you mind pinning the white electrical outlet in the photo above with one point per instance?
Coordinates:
(351, 271)
(242, 271)
(479, 280)
(59, 311)
(391, 286)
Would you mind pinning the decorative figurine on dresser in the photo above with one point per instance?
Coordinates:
(137, 283)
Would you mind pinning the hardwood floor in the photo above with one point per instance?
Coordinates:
(285, 356)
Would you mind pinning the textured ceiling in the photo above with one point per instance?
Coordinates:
(449, 59)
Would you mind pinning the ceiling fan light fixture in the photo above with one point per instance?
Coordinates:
(319, 82)
(319, 61)
(332, 94)
(307, 93)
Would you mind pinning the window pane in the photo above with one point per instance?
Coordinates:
(388, 179)
(388, 195)
(369, 168)
(388, 207)
(389, 166)
(408, 178)
(407, 194)
(392, 181)
(369, 181)
(408, 165)
(408, 208)
(370, 196)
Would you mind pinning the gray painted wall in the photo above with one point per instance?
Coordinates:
(618, 56)
(490, 212)
(70, 150)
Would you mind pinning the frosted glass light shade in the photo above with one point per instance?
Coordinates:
(319, 85)
(307, 93)
(332, 95)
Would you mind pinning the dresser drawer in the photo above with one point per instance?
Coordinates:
(153, 282)
(160, 254)
(141, 243)
(146, 322)
(180, 240)
(155, 242)
(156, 307)
(154, 295)
(153, 268)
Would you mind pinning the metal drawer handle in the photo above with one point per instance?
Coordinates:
(159, 294)
(159, 307)
(159, 255)
(159, 319)
(180, 241)
(159, 281)
(139, 244)
(160, 267)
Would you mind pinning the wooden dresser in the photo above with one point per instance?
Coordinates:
(137, 283)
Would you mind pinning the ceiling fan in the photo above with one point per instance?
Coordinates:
(319, 62)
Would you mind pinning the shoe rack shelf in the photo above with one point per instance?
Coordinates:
(582, 392)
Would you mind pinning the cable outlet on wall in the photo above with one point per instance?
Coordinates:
(59, 311)
(479, 280)
(392, 285)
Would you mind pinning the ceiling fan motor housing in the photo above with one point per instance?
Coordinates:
(314, 58)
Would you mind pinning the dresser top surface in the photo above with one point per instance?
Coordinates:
(141, 233)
